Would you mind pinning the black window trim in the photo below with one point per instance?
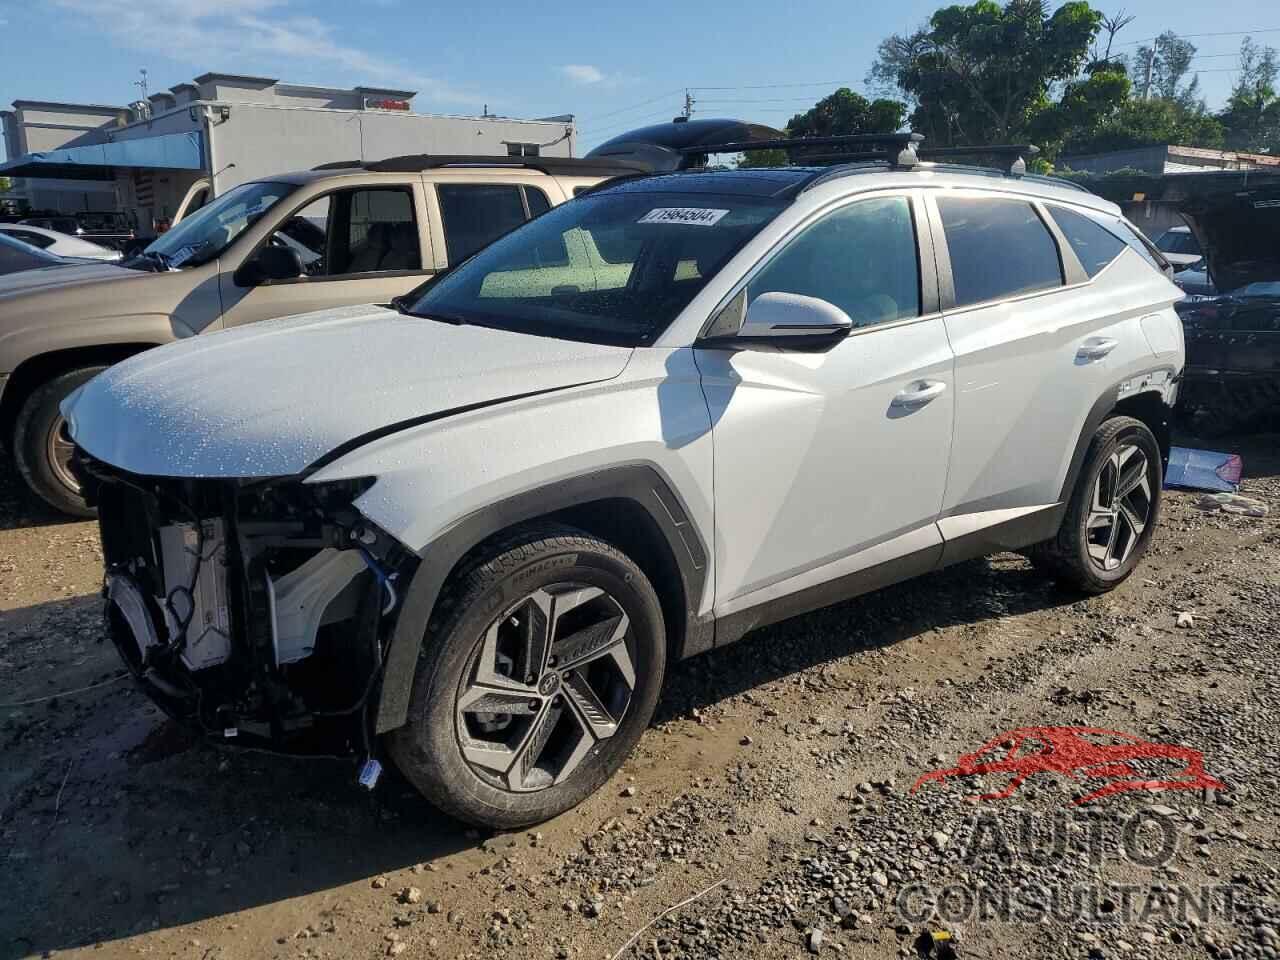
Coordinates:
(1073, 274)
(926, 261)
(408, 184)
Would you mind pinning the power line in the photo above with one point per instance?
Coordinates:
(625, 124)
(777, 86)
(635, 106)
(1186, 36)
(768, 100)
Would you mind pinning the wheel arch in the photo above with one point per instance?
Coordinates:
(42, 367)
(1148, 404)
(632, 506)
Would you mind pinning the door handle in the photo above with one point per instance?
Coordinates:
(918, 393)
(1095, 348)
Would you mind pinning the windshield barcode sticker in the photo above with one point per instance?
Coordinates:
(694, 216)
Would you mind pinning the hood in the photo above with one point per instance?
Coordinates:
(272, 398)
(64, 275)
(1239, 233)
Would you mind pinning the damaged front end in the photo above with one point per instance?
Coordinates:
(258, 610)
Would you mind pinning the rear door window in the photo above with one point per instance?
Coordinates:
(999, 248)
(1095, 246)
(475, 214)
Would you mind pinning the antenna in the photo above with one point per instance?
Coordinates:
(142, 83)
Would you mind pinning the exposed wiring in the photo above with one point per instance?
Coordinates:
(379, 660)
(65, 693)
(179, 635)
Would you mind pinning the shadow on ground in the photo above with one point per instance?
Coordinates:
(19, 507)
(155, 828)
(114, 822)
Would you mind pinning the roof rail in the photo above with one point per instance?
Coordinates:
(1015, 153)
(899, 148)
(553, 166)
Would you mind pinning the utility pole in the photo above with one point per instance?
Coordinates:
(1151, 64)
(142, 84)
(689, 101)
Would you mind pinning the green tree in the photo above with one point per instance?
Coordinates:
(842, 113)
(981, 73)
(1085, 105)
(1142, 123)
(1252, 114)
(1160, 69)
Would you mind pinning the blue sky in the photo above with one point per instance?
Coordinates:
(614, 66)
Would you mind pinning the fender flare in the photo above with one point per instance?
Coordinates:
(640, 483)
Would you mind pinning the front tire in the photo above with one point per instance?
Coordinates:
(1113, 510)
(539, 671)
(41, 447)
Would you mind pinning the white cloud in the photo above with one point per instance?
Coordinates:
(254, 36)
(583, 73)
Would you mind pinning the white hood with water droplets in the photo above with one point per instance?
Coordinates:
(272, 398)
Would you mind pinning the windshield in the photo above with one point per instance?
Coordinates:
(614, 267)
(205, 234)
(1178, 241)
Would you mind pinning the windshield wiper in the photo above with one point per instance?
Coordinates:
(153, 260)
(402, 306)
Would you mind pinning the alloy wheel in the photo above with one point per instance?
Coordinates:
(550, 679)
(59, 447)
(1120, 509)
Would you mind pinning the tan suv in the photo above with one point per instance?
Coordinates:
(344, 233)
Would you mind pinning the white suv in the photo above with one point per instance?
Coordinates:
(480, 522)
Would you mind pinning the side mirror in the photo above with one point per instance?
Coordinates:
(268, 264)
(790, 321)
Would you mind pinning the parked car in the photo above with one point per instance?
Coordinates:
(59, 244)
(342, 234)
(105, 229)
(110, 229)
(1232, 380)
(482, 519)
(1180, 247)
(1195, 282)
(16, 256)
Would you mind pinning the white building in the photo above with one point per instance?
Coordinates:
(157, 156)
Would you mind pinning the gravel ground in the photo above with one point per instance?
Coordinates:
(775, 786)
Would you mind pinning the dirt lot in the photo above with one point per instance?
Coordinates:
(780, 769)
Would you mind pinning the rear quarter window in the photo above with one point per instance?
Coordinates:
(1095, 246)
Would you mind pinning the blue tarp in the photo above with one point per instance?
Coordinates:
(172, 151)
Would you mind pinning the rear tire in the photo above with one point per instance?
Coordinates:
(539, 671)
(41, 448)
(1112, 512)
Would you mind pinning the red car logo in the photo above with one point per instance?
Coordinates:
(1079, 753)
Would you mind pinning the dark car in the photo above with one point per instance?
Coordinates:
(1232, 379)
(1233, 356)
(15, 256)
(1195, 281)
